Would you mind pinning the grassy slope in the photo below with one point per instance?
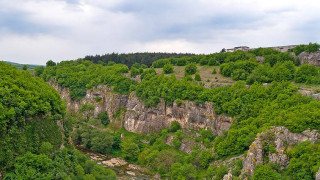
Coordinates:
(205, 74)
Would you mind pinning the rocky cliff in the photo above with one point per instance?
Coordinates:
(139, 118)
(310, 58)
(278, 137)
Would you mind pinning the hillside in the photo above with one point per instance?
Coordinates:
(20, 66)
(196, 117)
(32, 131)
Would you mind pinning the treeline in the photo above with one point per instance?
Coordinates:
(81, 75)
(130, 58)
(311, 47)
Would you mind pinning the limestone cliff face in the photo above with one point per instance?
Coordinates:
(310, 58)
(101, 97)
(281, 138)
(142, 119)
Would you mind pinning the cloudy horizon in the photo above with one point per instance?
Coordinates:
(34, 31)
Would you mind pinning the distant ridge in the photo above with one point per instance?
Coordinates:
(19, 66)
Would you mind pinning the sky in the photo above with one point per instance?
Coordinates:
(35, 31)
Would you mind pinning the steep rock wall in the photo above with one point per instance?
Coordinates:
(142, 119)
(310, 58)
(109, 102)
(281, 138)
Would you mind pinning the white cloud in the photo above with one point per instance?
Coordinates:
(68, 29)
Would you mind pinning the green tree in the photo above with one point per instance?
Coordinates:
(174, 126)
(50, 63)
(263, 172)
(305, 72)
(134, 72)
(167, 69)
(38, 71)
(25, 67)
(104, 118)
(197, 77)
(102, 142)
(190, 69)
(87, 109)
(130, 150)
(46, 148)
(205, 158)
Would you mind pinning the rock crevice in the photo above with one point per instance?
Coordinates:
(139, 118)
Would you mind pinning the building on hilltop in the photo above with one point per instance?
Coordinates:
(239, 48)
(246, 48)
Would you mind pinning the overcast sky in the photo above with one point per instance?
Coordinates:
(34, 31)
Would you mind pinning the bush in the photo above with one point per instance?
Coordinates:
(305, 72)
(190, 69)
(214, 71)
(205, 158)
(176, 142)
(46, 148)
(130, 150)
(197, 77)
(134, 72)
(104, 118)
(175, 126)
(102, 142)
(220, 172)
(167, 69)
(263, 172)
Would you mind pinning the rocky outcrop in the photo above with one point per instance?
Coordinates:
(318, 175)
(139, 118)
(115, 162)
(142, 119)
(308, 92)
(228, 176)
(279, 137)
(101, 97)
(310, 58)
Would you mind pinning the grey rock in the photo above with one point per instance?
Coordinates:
(142, 119)
(282, 138)
(310, 58)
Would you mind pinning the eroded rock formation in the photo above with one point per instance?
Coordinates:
(312, 58)
(279, 137)
(139, 118)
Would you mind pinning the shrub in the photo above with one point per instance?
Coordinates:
(197, 77)
(190, 69)
(104, 118)
(175, 126)
(205, 158)
(263, 172)
(176, 142)
(305, 72)
(134, 72)
(130, 150)
(167, 69)
(214, 71)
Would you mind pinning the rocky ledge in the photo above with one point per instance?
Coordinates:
(281, 138)
(139, 118)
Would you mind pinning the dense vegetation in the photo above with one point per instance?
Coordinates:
(30, 136)
(131, 58)
(253, 106)
(79, 76)
(27, 104)
(311, 47)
